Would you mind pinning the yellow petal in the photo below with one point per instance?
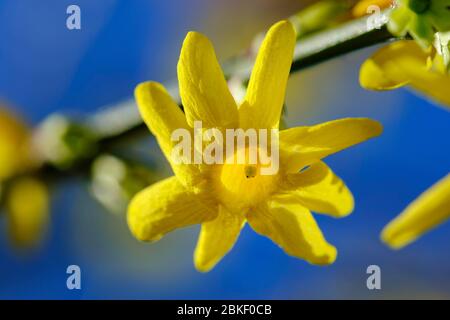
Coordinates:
(267, 87)
(405, 63)
(293, 228)
(389, 67)
(302, 146)
(28, 211)
(217, 238)
(425, 213)
(203, 89)
(320, 190)
(163, 207)
(432, 84)
(373, 77)
(163, 116)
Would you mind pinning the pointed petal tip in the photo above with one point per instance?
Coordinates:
(194, 35)
(332, 255)
(348, 210)
(164, 207)
(394, 241)
(191, 43)
(217, 238)
(372, 77)
(137, 227)
(266, 89)
(284, 25)
(380, 72)
(132, 222)
(203, 266)
(149, 91)
(376, 127)
(327, 258)
(283, 29)
(193, 38)
(370, 128)
(203, 88)
(422, 215)
(203, 263)
(320, 190)
(145, 88)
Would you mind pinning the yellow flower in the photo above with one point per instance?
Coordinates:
(14, 145)
(223, 197)
(421, 19)
(25, 198)
(425, 213)
(405, 63)
(28, 211)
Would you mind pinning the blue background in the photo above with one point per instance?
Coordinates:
(44, 68)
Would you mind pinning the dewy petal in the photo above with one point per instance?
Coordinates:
(267, 87)
(320, 190)
(428, 211)
(290, 225)
(203, 89)
(163, 207)
(302, 146)
(217, 238)
(163, 116)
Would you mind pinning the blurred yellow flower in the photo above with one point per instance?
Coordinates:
(28, 211)
(14, 145)
(26, 198)
(405, 63)
(223, 197)
(408, 62)
(425, 213)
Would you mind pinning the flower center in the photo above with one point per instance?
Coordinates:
(240, 184)
(419, 6)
